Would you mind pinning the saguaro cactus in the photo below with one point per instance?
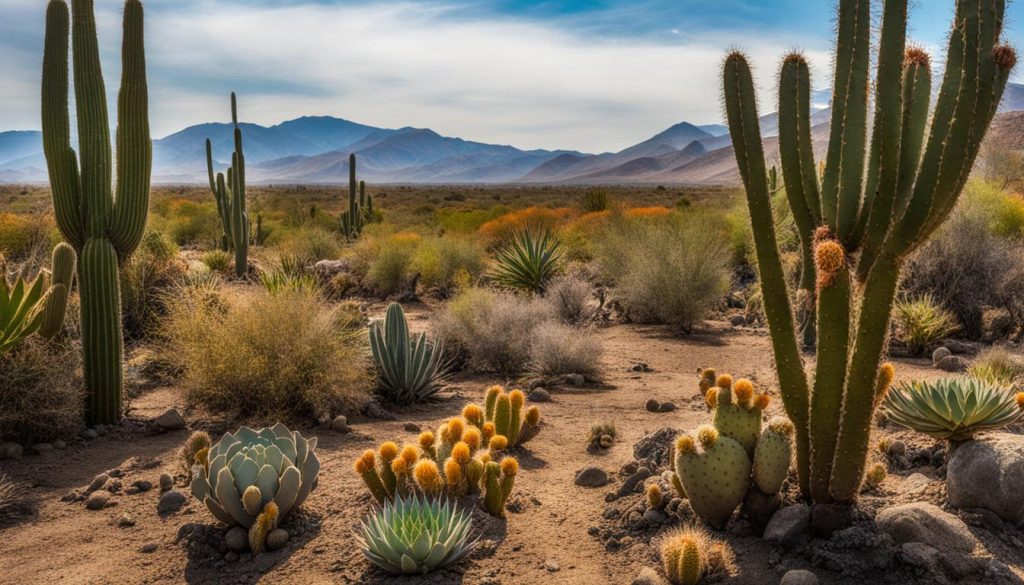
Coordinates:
(360, 206)
(103, 227)
(874, 205)
(230, 196)
(62, 272)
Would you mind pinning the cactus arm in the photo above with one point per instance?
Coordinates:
(795, 145)
(61, 160)
(134, 147)
(62, 269)
(743, 121)
(93, 125)
(883, 162)
(844, 166)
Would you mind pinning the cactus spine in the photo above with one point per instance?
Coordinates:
(879, 202)
(103, 228)
(360, 205)
(62, 272)
(230, 196)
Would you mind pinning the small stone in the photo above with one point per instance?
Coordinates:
(789, 525)
(927, 523)
(652, 405)
(799, 577)
(629, 486)
(170, 420)
(113, 485)
(115, 472)
(89, 434)
(552, 566)
(42, 448)
(737, 320)
(237, 539)
(97, 482)
(953, 364)
(940, 354)
(10, 451)
(97, 500)
(411, 427)
(576, 379)
(277, 538)
(641, 367)
(149, 547)
(629, 468)
(654, 517)
(143, 485)
(131, 490)
(592, 477)
(170, 502)
(898, 449)
(667, 407)
(59, 445)
(231, 556)
(340, 424)
(648, 576)
(125, 521)
(539, 395)
(166, 482)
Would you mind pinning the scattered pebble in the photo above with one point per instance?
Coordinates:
(125, 521)
(652, 405)
(143, 485)
(576, 379)
(42, 448)
(648, 576)
(97, 482)
(277, 538)
(237, 539)
(552, 566)
(592, 477)
(97, 500)
(89, 434)
(667, 407)
(642, 367)
(170, 502)
(539, 395)
(166, 482)
(340, 424)
(149, 547)
(170, 420)
(10, 451)
(411, 427)
(59, 445)
(799, 577)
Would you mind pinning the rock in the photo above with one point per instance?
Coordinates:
(789, 526)
(957, 346)
(897, 449)
(113, 485)
(759, 507)
(373, 409)
(989, 474)
(652, 405)
(592, 477)
(59, 445)
(170, 420)
(629, 486)
(920, 555)
(411, 427)
(237, 539)
(327, 269)
(231, 556)
(654, 517)
(953, 364)
(539, 395)
(10, 451)
(97, 482)
(575, 380)
(653, 450)
(89, 434)
(927, 523)
(277, 538)
(641, 367)
(97, 500)
(142, 485)
(340, 424)
(149, 547)
(827, 519)
(667, 407)
(42, 448)
(799, 577)
(552, 566)
(940, 354)
(115, 472)
(166, 482)
(170, 502)
(737, 320)
(648, 576)
(125, 521)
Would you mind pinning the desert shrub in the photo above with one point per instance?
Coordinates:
(41, 396)
(309, 244)
(153, 270)
(466, 221)
(491, 331)
(438, 260)
(527, 261)
(921, 322)
(997, 365)
(218, 261)
(1001, 211)
(14, 500)
(666, 271)
(571, 295)
(289, 355)
(595, 200)
(188, 223)
(389, 269)
(558, 349)
(25, 237)
(537, 219)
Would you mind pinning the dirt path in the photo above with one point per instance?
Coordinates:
(545, 541)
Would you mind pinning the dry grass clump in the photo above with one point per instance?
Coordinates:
(41, 392)
(559, 350)
(922, 322)
(996, 364)
(146, 278)
(284, 355)
(14, 501)
(670, 269)
(572, 296)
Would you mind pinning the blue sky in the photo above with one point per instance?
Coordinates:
(592, 75)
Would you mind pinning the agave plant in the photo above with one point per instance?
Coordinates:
(954, 409)
(21, 311)
(409, 369)
(527, 261)
(416, 535)
(246, 470)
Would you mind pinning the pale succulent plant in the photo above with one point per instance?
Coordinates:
(954, 409)
(413, 536)
(248, 469)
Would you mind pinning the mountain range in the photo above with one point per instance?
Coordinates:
(316, 150)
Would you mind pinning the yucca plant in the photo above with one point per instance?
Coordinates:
(954, 409)
(414, 536)
(922, 321)
(527, 261)
(408, 369)
(21, 311)
(281, 280)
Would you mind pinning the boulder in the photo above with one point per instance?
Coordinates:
(799, 577)
(171, 420)
(328, 269)
(170, 502)
(789, 525)
(928, 524)
(953, 364)
(592, 477)
(539, 395)
(940, 354)
(988, 474)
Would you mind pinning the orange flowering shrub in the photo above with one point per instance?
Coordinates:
(535, 218)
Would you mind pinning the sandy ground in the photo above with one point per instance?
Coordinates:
(545, 541)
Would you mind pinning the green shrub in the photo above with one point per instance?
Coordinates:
(921, 322)
(438, 260)
(41, 392)
(151, 272)
(596, 199)
(668, 271)
(308, 244)
(289, 355)
(25, 237)
(187, 223)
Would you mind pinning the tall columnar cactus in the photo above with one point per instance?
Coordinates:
(62, 272)
(230, 195)
(360, 205)
(104, 227)
(875, 203)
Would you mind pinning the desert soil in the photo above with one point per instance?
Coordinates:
(545, 540)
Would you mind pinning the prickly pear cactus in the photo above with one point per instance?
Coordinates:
(738, 411)
(715, 472)
(773, 455)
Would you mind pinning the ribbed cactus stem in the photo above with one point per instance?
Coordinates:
(104, 230)
(229, 192)
(62, 273)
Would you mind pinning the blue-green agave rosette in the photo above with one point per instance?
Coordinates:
(279, 463)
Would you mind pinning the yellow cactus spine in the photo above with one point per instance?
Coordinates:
(654, 496)
(516, 400)
(498, 443)
(472, 439)
(428, 477)
(488, 431)
(491, 400)
(473, 414)
(678, 486)
(400, 467)
(707, 381)
(426, 441)
(492, 490)
(886, 374)
(474, 473)
(265, 523)
(683, 559)
(453, 477)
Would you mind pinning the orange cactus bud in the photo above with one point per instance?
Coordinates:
(724, 381)
(685, 444)
(399, 466)
(1020, 399)
(489, 430)
(410, 454)
(455, 429)
(498, 443)
(708, 436)
(427, 476)
(388, 451)
(460, 453)
(533, 416)
(712, 397)
(744, 391)
(473, 413)
(472, 438)
(426, 439)
(509, 466)
(452, 472)
(762, 401)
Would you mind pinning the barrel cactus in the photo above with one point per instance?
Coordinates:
(248, 469)
(414, 536)
(954, 409)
